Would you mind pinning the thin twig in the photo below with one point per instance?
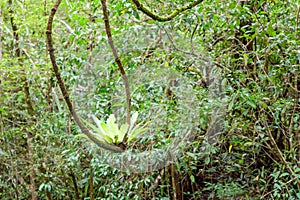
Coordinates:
(278, 151)
(263, 196)
(194, 54)
(192, 37)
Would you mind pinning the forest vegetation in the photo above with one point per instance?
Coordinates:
(149, 99)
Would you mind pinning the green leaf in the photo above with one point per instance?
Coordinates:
(107, 134)
(113, 130)
(122, 132)
(251, 103)
(271, 31)
(192, 178)
(133, 120)
(98, 123)
(207, 160)
(99, 133)
(194, 156)
(136, 131)
(134, 117)
(83, 136)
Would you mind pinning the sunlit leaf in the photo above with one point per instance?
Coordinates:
(122, 132)
(137, 130)
(99, 133)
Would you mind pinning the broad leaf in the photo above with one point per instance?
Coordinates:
(133, 120)
(137, 130)
(99, 134)
(113, 130)
(122, 132)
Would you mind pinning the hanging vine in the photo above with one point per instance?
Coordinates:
(63, 86)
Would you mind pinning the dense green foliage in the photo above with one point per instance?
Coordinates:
(255, 46)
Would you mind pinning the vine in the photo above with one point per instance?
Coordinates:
(64, 89)
(118, 61)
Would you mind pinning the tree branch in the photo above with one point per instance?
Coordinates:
(169, 17)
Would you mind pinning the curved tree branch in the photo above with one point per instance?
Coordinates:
(169, 17)
(118, 61)
(64, 89)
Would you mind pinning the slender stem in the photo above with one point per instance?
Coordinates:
(30, 109)
(278, 152)
(1, 23)
(297, 22)
(32, 174)
(75, 184)
(118, 61)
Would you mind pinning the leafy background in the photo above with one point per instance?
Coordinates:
(255, 44)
